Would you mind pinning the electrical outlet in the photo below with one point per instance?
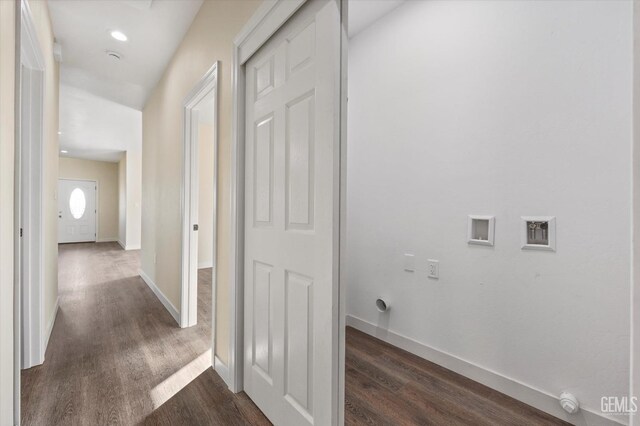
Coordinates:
(433, 269)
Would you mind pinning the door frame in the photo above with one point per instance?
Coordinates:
(270, 16)
(97, 207)
(189, 250)
(29, 196)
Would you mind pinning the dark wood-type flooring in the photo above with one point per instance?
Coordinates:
(116, 356)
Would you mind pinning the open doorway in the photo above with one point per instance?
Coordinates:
(29, 183)
(199, 204)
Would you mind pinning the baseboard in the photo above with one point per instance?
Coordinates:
(107, 240)
(163, 299)
(207, 264)
(52, 321)
(222, 369)
(534, 397)
(128, 247)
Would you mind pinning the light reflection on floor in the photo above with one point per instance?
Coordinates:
(178, 380)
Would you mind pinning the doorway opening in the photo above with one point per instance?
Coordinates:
(199, 218)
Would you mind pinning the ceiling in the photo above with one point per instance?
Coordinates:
(154, 29)
(363, 13)
(96, 128)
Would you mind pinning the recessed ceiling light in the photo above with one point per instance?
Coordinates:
(63, 151)
(118, 35)
(59, 132)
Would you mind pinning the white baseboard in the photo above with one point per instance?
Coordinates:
(107, 240)
(537, 398)
(222, 369)
(52, 321)
(206, 264)
(163, 299)
(128, 247)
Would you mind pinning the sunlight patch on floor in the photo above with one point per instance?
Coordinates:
(178, 380)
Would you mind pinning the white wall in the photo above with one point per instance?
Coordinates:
(205, 194)
(122, 201)
(134, 198)
(635, 293)
(506, 109)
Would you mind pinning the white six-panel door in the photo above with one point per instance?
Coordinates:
(76, 211)
(291, 205)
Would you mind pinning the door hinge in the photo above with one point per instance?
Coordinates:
(20, 232)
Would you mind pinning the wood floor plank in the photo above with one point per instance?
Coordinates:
(448, 397)
(117, 357)
(114, 348)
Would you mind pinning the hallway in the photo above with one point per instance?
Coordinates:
(117, 357)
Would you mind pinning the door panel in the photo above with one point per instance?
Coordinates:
(76, 211)
(291, 218)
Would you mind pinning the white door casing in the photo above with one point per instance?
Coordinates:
(29, 183)
(291, 245)
(76, 211)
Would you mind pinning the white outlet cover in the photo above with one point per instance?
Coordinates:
(433, 268)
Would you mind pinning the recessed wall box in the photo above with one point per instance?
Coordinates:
(539, 233)
(481, 230)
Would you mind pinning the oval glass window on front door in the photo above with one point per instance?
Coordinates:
(77, 203)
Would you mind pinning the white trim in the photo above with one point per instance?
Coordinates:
(189, 284)
(268, 18)
(52, 321)
(128, 247)
(205, 264)
(222, 369)
(537, 398)
(160, 295)
(30, 329)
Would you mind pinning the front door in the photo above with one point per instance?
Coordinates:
(76, 211)
(291, 219)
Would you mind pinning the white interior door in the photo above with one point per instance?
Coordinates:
(291, 219)
(76, 211)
